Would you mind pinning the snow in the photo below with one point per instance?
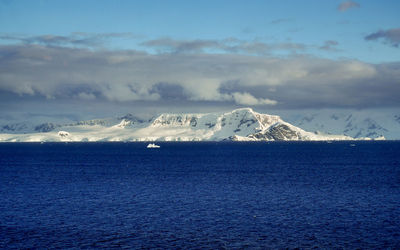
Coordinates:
(372, 123)
(238, 125)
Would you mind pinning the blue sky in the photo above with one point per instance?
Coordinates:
(311, 22)
(285, 54)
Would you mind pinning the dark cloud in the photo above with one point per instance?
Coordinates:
(83, 75)
(346, 5)
(231, 45)
(176, 46)
(76, 39)
(390, 36)
(330, 45)
(170, 92)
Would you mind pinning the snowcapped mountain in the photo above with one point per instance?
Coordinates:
(238, 125)
(355, 123)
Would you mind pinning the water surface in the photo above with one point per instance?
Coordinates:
(193, 195)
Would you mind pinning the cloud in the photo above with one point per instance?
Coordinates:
(170, 91)
(330, 45)
(86, 96)
(390, 36)
(229, 45)
(249, 100)
(346, 5)
(160, 45)
(177, 46)
(124, 76)
(76, 39)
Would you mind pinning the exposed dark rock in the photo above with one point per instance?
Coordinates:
(372, 135)
(278, 133)
(349, 125)
(131, 118)
(193, 122)
(249, 122)
(91, 122)
(397, 118)
(45, 127)
(210, 125)
(14, 127)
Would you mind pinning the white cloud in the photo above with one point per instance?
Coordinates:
(248, 99)
(86, 96)
(128, 92)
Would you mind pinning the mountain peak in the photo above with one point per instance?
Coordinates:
(245, 109)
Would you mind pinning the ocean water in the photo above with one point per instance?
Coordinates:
(200, 195)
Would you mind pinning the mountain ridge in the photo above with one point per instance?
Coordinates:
(354, 123)
(242, 124)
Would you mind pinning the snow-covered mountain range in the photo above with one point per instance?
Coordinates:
(238, 125)
(354, 123)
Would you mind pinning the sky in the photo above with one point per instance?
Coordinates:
(99, 58)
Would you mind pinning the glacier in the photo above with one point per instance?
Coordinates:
(242, 124)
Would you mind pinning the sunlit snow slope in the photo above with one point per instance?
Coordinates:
(238, 125)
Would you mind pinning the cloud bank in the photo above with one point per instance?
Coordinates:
(76, 39)
(228, 45)
(61, 73)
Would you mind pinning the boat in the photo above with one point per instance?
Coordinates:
(152, 145)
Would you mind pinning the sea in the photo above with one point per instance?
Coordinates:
(200, 195)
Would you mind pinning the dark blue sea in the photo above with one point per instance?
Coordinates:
(200, 195)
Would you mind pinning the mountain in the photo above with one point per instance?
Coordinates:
(354, 123)
(238, 125)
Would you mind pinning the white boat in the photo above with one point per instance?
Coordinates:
(152, 145)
